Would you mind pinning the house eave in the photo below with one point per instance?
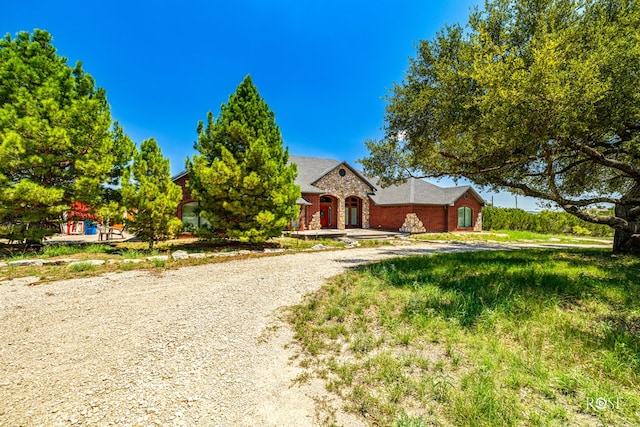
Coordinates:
(180, 175)
(353, 170)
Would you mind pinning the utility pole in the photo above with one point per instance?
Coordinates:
(516, 202)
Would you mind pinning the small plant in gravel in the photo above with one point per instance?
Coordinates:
(159, 263)
(127, 266)
(81, 267)
(133, 253)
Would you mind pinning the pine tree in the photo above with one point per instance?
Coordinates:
(241, 177)
(150, 196)
(58, 143)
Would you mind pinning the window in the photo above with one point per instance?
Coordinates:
(464, 217)
(191, 215)
(351, 212)
(342, 172)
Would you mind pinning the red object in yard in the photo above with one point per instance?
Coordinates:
(78, 212)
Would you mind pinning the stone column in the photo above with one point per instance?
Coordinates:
(341, 213)
(315, 222)
(365, 213)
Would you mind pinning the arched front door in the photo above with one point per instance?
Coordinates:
(327, 212)
(353, 212)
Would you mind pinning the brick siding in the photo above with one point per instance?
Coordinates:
(186, 195)
(436, 219)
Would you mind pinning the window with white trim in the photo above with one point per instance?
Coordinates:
(464, 217)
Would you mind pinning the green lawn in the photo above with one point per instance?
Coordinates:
(508, 236)
(523, 337)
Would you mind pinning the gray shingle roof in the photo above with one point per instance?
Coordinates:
(412, 192)
(311, 169)
(415, 191)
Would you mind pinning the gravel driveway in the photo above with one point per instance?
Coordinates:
(199, 346)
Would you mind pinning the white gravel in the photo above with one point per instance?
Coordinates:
(199, 346)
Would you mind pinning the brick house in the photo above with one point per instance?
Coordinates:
(336, 195)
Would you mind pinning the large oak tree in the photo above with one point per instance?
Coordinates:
(58, 143)
(541, 97)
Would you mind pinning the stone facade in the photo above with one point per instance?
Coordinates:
(412, 224)
(341, 187)
(478, 224)
(314, 224)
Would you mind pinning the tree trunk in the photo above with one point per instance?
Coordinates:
(628, 241)
(625, 242)
(150, 245)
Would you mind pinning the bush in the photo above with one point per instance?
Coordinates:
(545, 222)
(580, 231)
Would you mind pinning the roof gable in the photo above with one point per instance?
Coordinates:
(313, 169)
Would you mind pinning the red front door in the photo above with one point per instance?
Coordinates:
(324, 216)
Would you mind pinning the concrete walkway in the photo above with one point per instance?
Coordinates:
(84, 238)
(352, 233)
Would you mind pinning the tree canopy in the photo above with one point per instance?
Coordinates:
(150, 195)
(58, 143)
(541, 97)
(242, 177)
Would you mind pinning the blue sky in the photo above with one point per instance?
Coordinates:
(323, 67)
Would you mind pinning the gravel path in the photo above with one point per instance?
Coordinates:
(199, 346)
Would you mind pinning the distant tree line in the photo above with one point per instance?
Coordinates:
(545, 222)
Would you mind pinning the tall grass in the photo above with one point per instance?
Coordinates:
(528, 337)
(61, 250)
(64, 250)
(99, 248)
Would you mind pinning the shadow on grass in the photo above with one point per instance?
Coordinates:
(206, 246)
(519, 284)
